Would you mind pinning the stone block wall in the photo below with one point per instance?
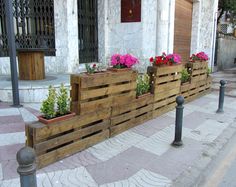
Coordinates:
(152, 36)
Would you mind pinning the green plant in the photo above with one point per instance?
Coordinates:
(90, 69)
(184, 76)
(62, 101)
(48, 105)
(143, 84)
(209, 71)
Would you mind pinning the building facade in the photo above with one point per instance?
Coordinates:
(93, 30)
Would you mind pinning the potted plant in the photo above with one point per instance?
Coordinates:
(91, 69)
(122, 62)
(185, 76)
(143, 85)
(56, 106)
(164, 59)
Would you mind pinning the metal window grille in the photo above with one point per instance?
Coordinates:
(88, 31)
(33, 24)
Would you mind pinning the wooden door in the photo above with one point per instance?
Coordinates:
(183, 28)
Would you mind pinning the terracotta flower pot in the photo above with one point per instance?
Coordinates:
(56, 119)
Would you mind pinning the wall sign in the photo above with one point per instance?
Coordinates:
(130, 10)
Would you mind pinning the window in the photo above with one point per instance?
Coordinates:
(33, 25)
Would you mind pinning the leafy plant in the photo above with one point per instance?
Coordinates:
(184, 76)
(48, 105)
(90, 69)
(228, 6)
(62, 101)
(208, 71)
(143, 84)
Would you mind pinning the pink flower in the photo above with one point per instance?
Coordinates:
(116, 59)
(174, 58)
(125, 60)
(199, 56)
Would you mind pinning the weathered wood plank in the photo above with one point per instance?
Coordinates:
(163, 70)
(168, 78)
(41, 132)
(166, 94)
(164, 102)
(113, 89)
(106, 78)
(70, 149)
(78, 134)
(88, 107)
(114, 130)
(163, 110)
(166, 87)
(138, 102)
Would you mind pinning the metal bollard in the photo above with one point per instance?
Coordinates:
(27, 167)
(221, 97)
(178, 121)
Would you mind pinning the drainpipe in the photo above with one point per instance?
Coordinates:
(12, 52)
(214, 42)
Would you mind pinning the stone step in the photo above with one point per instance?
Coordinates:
(32, 91)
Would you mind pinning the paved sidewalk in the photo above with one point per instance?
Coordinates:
(141, 156)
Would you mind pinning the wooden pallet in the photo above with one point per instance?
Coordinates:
(208, 83)
(58, 140)
(165, 87)
(102, 90)
(194, 90)
(130, 115)
(198, 71)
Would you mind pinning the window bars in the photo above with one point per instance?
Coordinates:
(33, 24)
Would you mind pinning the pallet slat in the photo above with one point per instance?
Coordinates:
(101, 90)
(131, 115)
(70, 149)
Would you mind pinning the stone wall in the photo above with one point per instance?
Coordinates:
(137, 38)
(226, 53)
(203, 28)
(152, 36)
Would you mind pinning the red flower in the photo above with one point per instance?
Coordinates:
(94, 65)
(151, 59)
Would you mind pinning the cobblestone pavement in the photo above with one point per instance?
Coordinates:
(141, 156)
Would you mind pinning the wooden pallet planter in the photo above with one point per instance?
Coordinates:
(198, 71)
(165, 87)
(61, 139)
(208, 83)
(102, 90)
(130, 115)
(194, 90)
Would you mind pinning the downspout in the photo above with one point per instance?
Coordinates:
(214, 42)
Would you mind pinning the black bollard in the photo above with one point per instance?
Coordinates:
(221, 97)
(178, 121)
(27, 167)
